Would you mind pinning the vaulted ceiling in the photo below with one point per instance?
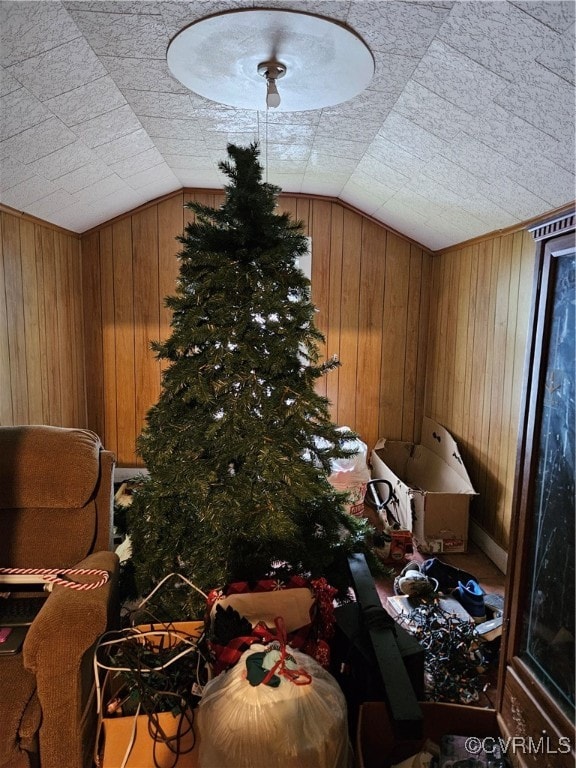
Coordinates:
(466, 127)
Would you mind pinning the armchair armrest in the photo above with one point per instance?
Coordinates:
(58, 650)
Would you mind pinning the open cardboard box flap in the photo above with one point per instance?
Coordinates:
(432, 486)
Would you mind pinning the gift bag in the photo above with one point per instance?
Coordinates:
(276, 708)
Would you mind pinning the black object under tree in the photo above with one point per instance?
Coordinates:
(240, 443)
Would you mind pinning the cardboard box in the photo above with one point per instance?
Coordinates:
(432, 486)
(378, 746)
(128, 741)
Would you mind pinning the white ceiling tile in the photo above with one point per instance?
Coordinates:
(102, 188)
(53, 204)
(156, 174)
(13, 172)
(221, 119)
(559, 56)
(465, 125)
(288, 182)
(113, 6)
(63, 160)
(44, 25)
(393, 212)
(373, 168)
(86, 101)
(321, 161)
(140, 162)
(155, 104)
(433, 113)
(166, 128)
(497, 35)
(391, 72)
(216, 141)
(519, 202)
(28, 191)
(83, 177)
(287, 133)
(83, 215)
(477, 158)
(414, 139)
(191, 147)
(558, 16)
(375, 191)
(59, 70)
(372, 106)
(359, 197)
(546, 180)
(142, 75)
(20, 110)
(542, 101)
(517, 140)
(8, 82)
(199, 177)
(186, 162)
(38, 141)
(181, 13)
(124, 147)
(337, 147)
(414, 202)
(129, 35)
(458, 78)
(397, 27)
(347, 127)
(320, 185)
(309, 117)
(295, 154)
(107, 127)
(394, 156)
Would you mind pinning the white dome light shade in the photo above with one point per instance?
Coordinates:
(218, 58)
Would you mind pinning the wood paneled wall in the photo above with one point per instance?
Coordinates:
(369, 286)
(442, 335)
(480, 302)
(41, 325)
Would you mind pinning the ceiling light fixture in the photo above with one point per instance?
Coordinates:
(222, 57)
(272, 71)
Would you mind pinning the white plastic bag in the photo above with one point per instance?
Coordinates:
(258, 726)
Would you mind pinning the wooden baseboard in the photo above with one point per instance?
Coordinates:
(487, 544)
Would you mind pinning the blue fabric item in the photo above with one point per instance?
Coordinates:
(471, 598)
(447, 576)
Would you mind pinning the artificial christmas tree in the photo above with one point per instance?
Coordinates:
(239, 445)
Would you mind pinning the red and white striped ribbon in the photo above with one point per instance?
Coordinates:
(58, 576)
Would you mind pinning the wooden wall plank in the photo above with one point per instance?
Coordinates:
(170, 224)
(6, 411)
(493, 300)
(320, 227)
(109, 372)
(15, 314)
(394, 339)
(30, 298)
(350, 303)
(334, 306)
(125, 404)
(413, 373)
(146, 310)
(369, 378)
(97, 402)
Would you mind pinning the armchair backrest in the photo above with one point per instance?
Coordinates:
(56, 488)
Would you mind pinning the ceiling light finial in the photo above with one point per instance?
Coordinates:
(272, 71)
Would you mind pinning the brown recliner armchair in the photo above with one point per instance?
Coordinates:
(55, 512)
